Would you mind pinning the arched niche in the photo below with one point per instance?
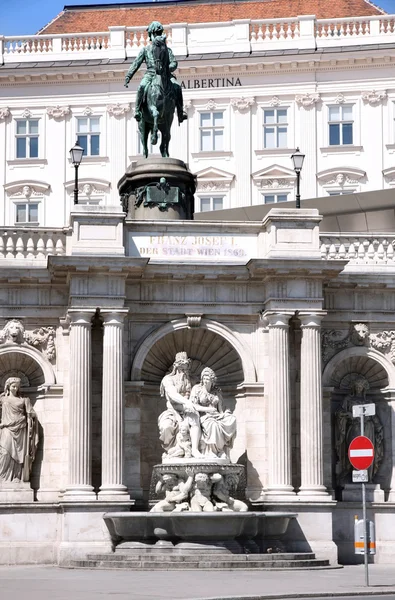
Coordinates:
(211, 344)
(340, 372)
(26, 363)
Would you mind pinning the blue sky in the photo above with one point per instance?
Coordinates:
(22, 17)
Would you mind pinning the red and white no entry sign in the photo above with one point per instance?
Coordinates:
(361, 452)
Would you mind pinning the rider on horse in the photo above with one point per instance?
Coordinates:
(146, 54)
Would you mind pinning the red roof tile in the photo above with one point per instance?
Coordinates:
(87, 18)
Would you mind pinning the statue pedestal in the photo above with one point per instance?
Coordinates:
(159, 189)
(184, 467)
(15, 492)
(352, 492)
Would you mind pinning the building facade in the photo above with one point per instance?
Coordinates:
(297, 321)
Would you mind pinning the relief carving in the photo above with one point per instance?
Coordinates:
(42, 338)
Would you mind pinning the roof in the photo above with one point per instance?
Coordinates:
(80, 19)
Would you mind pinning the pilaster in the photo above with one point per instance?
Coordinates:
(279, 426)
(112, 487)
(311, 410)
(80, 423)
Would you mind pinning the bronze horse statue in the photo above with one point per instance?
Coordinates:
(159, 101)
(159, 92)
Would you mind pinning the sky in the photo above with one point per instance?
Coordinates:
(23, 17)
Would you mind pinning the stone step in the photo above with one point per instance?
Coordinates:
(160, 556)
(228, 563)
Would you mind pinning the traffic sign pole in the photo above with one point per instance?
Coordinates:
(365, 521)
(361, 456)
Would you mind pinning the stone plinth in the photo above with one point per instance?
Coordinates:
(96, 230)
(352, 492)
(291, 233)
(11, 491)
(158, 189)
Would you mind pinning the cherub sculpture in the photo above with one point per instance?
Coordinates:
(201, 496)
(183, 447)
(221, 494)
(176, 493)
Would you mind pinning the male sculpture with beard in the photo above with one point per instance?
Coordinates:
(176, 388)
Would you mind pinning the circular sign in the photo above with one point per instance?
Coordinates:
(361, 452)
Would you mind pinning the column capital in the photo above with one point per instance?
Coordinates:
(311, 319)
(80, 317)
(277, 319)
(114, 317)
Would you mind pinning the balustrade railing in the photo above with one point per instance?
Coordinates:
(31, 244)
(298, 32)
(364, 250)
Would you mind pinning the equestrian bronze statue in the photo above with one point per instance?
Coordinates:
(159, 93)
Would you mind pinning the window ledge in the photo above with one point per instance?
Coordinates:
(27, 224)
(345, 148)
(277, 151)
(212, 154)
(92, 160)
(27, 162)
(390, 147)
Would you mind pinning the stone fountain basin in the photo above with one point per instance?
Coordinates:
(194, 526)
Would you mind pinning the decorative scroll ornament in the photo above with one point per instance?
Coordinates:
(333, 341)
(211, 105)
(307, 100)
(42, 338)
(373, 97)
(275, 183)
(58, 112)
(188, 104)
(88, 111)
(194, 321)
(242, 104)
(118, 110)
(213, 186)
(26, 113)
(384, 342)
(275, 101)
(341, 179)
(4, 113)
(340, 99)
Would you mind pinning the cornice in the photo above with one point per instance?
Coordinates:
(8, 79)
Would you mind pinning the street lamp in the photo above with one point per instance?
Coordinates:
(76, 156)
(298, 159)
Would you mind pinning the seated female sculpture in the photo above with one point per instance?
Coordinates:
(218, 427)
(18, 433)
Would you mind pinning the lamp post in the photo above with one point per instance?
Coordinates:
(298, 159)
(76, 156)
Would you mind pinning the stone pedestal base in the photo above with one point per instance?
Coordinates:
(13, 492)
(352, 492)
(197, 466)
(158, 189)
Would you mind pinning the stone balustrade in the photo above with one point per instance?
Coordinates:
(374, 249)
(242, 35)
(31, 243)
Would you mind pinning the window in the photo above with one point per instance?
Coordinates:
(27, 138)
(152, 149)
(273, 198)
(211, 131)
(211, 203)
(275, 128)
(340, 192)
(340, 125)
(26, 212)
(88, 135)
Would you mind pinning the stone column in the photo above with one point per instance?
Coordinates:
(80, 410)
(279, 426)
(311, 410)
(112, 487)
